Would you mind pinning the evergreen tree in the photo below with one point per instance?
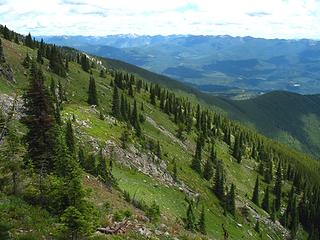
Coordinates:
(40, 121)
(277, 187)
(230, 200)
(92, 92)
(85, 64)
(202, 222)
(39, 57)
(6, 33)
(265, 202)
(208, 167)
(115, 103)
(2, 58)
(237, 149)
(81, 157)
(218, 187)
(190, 220)
(102, 168)
(27, 61)
(255, 196)
(55, 62)
(29, 41)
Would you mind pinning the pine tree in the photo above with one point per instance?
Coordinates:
(92, 92)
(81, 157)
(39, 57)
(2, 58)
(202, 222)
(255, 196)
(40, 121)
(218, 187)
(85, 64)
(265, 202)
(237, 149)
(70, 141)
(190, 220)
(102, 167)
(230, 200)
(6, 33)
(277, 187)
(115, 103)
(208, 167)
(29, 41)
(27, 61)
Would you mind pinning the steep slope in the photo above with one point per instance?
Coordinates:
(289, 118)
(148, 176)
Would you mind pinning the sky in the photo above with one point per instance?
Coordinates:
(289, 19)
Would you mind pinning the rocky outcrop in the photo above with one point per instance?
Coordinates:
(7, 72)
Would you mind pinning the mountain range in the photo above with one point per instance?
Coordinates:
(240, 67)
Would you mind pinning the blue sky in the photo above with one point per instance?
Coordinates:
(259, 18)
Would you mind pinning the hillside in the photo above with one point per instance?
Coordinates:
(158, 165)
(289, 118)
(210, 62)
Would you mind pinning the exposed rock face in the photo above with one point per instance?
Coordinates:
(6, 103)
(7, 72)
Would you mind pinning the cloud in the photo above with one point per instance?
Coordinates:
(258, 14)
(269, 19)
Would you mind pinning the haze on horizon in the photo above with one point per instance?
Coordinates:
(289, 19)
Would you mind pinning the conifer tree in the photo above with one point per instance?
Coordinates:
(255, 195)
(85, 64)
(208, 167)
(102, 167)
(230, 200)
(237, 149)
(29, 41)
(2, 58)
(39, 57)
(218, 186)
(190, 219)
(40, 121)
(277, 187)
(6, 33)
(115, 103)
(81, 157)
(92, 92)
(27, 61)
(265, 202)
(202, 222)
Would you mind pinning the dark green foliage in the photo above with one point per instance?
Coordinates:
(201, 226)
(115, 103)
(265, 202)
(7, 33)
(218, 187)
(39, 57)
(230, 201)
(237, 151)
(85, 63)
(29, 41)
(40, 122)
(4, 231)
(257, 227)
(102, 73)
(175, 171)
(2, 58)
(102, 168)
(81, 157)
(190, 223)
(158, 150)
(92, 92)
(208, 167)
(27, 61)
(55, 62)
(255, 195)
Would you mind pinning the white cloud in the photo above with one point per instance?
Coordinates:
(262, 18)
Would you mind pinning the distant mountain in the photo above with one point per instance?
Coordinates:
(253, 64)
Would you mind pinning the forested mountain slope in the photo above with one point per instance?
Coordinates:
(91, 150)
